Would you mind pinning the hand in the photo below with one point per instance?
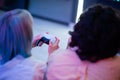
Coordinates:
(35, 39)
(52, 47)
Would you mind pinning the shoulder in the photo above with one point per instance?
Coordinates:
(28, 68)
(64, 56)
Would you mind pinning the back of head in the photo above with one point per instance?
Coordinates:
(15, 34)
(97, 33)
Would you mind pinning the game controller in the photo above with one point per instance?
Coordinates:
(46, 38)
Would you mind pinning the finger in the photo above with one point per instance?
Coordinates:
(50, 44)
(40, 44)
(33, 43)
(36, 38)
(57, 40)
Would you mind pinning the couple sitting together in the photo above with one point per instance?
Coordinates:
(91, 53)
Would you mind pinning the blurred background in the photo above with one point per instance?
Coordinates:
(54, 16)
(60, 11)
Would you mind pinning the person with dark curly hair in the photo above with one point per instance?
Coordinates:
(92, 50)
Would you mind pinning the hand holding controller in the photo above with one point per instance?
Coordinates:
(46, 38)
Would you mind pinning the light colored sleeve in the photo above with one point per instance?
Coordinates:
(62, 67)
(39, 72)
(39, 68)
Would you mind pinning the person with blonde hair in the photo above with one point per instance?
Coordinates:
(16, 36)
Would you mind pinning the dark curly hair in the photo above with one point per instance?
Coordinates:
(97, 33)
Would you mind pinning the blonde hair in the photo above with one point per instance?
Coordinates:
(15, 34)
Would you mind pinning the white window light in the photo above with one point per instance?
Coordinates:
(79, 9)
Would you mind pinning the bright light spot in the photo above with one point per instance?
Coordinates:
(79, 9)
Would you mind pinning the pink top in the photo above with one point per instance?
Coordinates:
(20, 68)
(66, 65)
